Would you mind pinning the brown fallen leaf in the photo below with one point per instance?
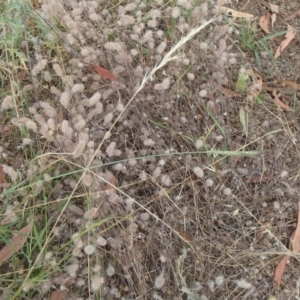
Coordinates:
(282, 90)
(103, 73)
(291, 84)
(112, 186)
(257, 83)
(235, 145)
(279, 102)
(295, 245)
(265, 176)
(280, 269)
(234, 13)
(2, 178)
(263, 230)
(69, 281)
(292, 16)
(264, 22)
(58, 295)
(288, 38)
(274, 8)
(60, 115)
(273, 19)
(5, 130)
(22, 75)
(295, 240)
(186, 236)
(229, 93)
(15, 244)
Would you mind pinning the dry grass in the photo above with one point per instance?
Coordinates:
(150, 188)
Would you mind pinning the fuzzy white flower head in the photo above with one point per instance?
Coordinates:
(209, 182)
(203, 45)
(143, 176)
(190, 76)
(242, 283)
(77, 88)
(89, 249)
(110, 271)
(152, 23)
(159, 281)
(87, 180)
(162, 162)
(148, 36)
(164, 85)
(7, 103)
(242, 70)
(46, 286)
(163, 259)
(156, 172)
(161, 47)
(31, 125)
(126, 20)
(97, 282)
(184, 3)
(91, 213)
(72, 269)
(79, 149)
(232, 60)
(203, 93)
(130, 7)
(48, 255)
(155, 13)
(145, 216)
(108, 118)
(166, 180)
(101, 241)
(211, 284)
(175, 12)
(58, 70)
(27, 141)
(219, 280)
(80, 282)
(110, 150)
(198, 172)
(227, 191)
(284, 174)
(134, 52)
(159, 33)
(199, 144)
(94, 99)
(149, 143)
(65, 99)
(276, 205)
(39, 67)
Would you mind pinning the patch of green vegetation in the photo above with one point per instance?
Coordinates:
(249, 41)
(260, 99)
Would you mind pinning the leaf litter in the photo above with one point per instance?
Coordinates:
(240, 120)
(279, 102)
(104, 73)
(2, 177)
(288, 38)
(234, 13)
(264, 22)
(291, 84)
(295, 247)
(15, 244)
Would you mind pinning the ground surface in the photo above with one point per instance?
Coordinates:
(166, 183)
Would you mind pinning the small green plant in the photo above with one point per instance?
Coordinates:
(248, 37)
(249, 41)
